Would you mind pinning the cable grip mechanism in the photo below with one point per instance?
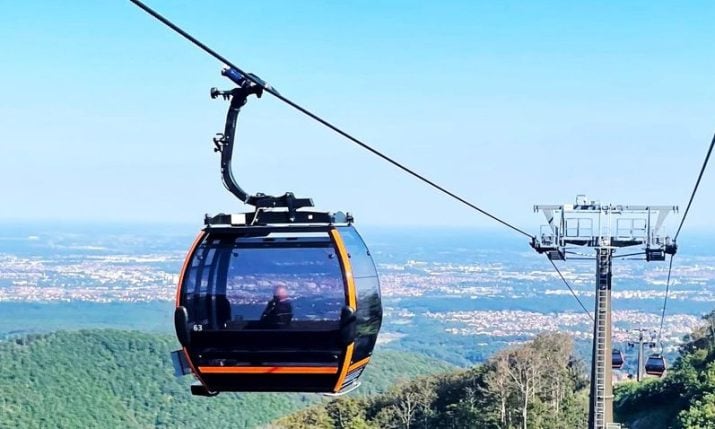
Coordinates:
(224, 143)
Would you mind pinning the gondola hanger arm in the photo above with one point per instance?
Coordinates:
(225, 144)
(270, 90)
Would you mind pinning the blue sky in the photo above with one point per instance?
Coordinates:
(104, 113)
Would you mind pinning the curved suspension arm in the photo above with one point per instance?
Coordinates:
(225, 142)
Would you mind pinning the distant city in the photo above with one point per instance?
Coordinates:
(506, 292)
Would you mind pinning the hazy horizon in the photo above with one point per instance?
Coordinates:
(507, 104)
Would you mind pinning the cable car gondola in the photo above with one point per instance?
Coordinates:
(655, 365)
(280, 299)
(617, 359)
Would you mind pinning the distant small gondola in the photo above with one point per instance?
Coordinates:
(617, 359)
(655, 365)
(276, 300)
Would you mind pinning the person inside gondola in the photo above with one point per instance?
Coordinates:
(279, 311)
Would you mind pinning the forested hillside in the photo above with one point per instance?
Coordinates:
(684, 398)
(536, 385)
(111, 378)
(124, 379)
(539, 384)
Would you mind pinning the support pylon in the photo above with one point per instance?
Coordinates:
(606, 229)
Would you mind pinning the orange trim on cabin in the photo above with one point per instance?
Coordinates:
(347, 268)
(344, 369)
(351, 298)
(268, 369)
(359, 364)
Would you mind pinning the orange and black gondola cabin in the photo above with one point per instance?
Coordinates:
(655, 365)
(276, 307)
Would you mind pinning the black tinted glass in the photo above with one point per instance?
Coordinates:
(360, 259)
(271, 281)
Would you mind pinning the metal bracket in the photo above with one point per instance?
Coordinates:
(272, 217)
(671, 248)
(181, 365)
(347, 389)
(224, 144)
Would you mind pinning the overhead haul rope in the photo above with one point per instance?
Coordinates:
(680, 227)
(326, 123)
(588, 313)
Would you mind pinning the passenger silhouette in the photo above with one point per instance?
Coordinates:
(279, 311)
